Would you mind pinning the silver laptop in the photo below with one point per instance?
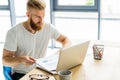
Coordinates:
(68, 58)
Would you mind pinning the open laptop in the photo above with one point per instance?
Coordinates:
(68, 58)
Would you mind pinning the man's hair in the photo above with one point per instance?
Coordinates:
(36, 4)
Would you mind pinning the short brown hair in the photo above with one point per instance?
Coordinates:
(36, 4)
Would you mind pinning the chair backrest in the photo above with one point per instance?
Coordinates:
(7, 72)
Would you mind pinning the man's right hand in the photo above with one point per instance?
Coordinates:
(26, 60)
(10, 59)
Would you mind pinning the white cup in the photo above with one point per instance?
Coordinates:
(65, 75)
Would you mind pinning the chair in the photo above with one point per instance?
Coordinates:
(7, 72)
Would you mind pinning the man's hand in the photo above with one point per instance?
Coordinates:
(26, 60)
(64, 41)
(10, 59)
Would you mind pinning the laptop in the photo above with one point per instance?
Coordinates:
(68, 58)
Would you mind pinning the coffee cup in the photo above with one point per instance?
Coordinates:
(65, 75)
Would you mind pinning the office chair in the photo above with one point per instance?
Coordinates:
(7, 72)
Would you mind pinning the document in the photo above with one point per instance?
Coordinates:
(48, 63)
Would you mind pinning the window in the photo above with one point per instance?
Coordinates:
(75, 5)
(77, 2)
(4, 5)
(110, 20)
(5, 24)
(4, 19)
(77, 19)
(3, 2)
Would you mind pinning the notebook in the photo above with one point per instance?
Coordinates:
(68, 58)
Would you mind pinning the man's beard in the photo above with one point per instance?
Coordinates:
(34, 26)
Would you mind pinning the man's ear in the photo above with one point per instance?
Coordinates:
(27, 14)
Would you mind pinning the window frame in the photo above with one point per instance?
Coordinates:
(57, 7)
(4, 7)
(10, 7)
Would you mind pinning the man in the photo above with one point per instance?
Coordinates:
(28, 40)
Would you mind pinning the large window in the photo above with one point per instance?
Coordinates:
(84, 25)
(75, 5)
(77, 19)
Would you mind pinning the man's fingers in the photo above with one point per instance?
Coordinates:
(28, 61)
(32, 59)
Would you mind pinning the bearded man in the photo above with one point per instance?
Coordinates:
(29, 40)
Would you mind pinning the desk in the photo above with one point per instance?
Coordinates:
(106, 69)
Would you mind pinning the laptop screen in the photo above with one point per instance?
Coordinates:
(72, 56)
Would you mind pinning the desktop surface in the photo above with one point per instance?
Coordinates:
(108, 68)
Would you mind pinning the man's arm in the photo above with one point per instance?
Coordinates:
(64, 41)
(9, 59)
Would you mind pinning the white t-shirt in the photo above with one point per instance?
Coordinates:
(25, 43)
